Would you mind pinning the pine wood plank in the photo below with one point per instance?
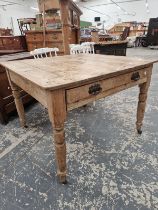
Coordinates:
(73, 70)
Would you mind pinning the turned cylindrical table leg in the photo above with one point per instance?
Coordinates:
(18, 101)
(19, 104)
(60, 150)
(57, 115)
(142, 102)
(141, 107)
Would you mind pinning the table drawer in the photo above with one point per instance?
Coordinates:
(104, 87)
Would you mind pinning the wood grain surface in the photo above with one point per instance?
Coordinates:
(73, 70)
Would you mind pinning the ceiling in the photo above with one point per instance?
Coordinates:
(11, 2)
(113, 11)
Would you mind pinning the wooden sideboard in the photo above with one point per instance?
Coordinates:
(12, 43)
(7, 105)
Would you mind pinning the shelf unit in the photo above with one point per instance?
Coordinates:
(135, 28)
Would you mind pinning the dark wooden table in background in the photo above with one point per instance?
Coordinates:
(7, 105)
(111, 48)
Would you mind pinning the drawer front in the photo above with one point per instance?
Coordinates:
(34, 37)
(98, 89)
(54, 37)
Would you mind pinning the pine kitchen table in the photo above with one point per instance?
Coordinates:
(66, 82)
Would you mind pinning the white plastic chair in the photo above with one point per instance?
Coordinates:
(43, 52)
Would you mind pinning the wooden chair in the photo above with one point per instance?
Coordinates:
(44, 52)
(75, 49)
(88, 47)
(85, 47)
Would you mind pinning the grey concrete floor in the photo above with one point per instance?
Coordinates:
(110, 167)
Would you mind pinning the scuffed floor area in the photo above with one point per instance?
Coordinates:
(110, 167)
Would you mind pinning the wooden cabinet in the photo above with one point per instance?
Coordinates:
(53, 38)
(7, 104)
(59, 29)
(12, 43)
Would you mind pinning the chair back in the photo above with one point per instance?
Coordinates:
(75, 49)
(85, 47)
(88, 47)
(44, 52)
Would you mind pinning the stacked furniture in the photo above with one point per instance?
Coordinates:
(61, 26)
(7, 105)
(136, 28)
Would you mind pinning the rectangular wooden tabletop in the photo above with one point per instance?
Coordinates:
(65, 71)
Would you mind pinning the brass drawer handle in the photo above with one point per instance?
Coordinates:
(135, 76)
(95, 89)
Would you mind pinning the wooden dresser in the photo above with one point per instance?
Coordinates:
(7, 105)
(53, 38)
(55, 29)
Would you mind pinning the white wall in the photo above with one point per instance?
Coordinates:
(137, 7)
(111, 15)
(16, 11)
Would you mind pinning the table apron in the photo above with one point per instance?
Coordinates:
(80, 96)
(32, 89)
